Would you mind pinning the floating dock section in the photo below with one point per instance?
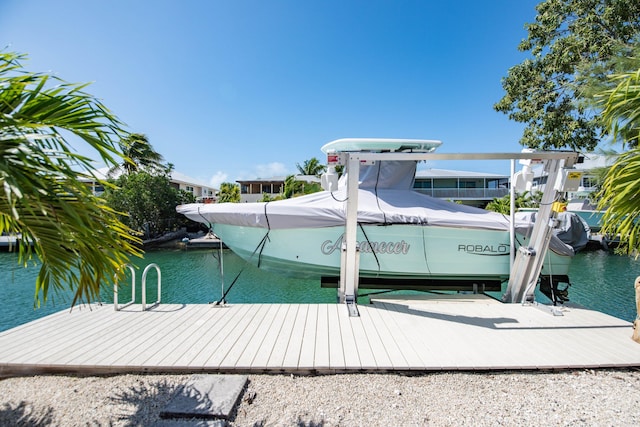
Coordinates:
(421, 333)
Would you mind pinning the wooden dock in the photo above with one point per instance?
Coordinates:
(461, 332)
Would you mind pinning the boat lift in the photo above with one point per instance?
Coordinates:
(527, 263)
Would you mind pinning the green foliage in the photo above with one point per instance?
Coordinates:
(229, 193)
(311, 167)
(619, 195)
(620, 198)
(79, 240)
(269, 198)
(571, 42)
(139, 155)
(621, 106)
(147, 202)
(294, 188)
(523, 200)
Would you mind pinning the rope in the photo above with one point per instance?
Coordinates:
(260, 246)
(375, 188)
(371, 246)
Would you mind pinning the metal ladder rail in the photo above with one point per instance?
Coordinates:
(144, 286)
(118, 307)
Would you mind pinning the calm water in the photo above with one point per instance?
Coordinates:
(600, 281)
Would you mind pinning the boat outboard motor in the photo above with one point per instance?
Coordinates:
(572, 230)
(549, 286)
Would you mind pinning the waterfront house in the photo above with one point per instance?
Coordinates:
(470, 188)
(252, 190)
(589, 180)
(203, 192)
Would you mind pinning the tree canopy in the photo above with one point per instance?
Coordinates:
(294, 187)
(148, 201)
(139, 155)
(79, 240)
(523, 200)
(570, 43)
(229, 193)
(311, 167)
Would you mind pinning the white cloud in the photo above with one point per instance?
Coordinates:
(268, 170)
(271, 169)
(218, 178)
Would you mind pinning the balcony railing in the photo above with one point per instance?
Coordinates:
(464, 193)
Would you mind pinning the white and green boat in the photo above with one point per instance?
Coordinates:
(405, 239)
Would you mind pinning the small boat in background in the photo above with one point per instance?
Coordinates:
(588, 212)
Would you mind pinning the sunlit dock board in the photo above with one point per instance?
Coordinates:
(466, 332)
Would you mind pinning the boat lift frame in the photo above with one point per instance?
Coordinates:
(526, 266)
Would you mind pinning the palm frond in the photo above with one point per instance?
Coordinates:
(79, 240)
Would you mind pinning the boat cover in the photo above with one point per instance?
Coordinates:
(385, 196)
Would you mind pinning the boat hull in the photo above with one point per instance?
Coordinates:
(392, 251)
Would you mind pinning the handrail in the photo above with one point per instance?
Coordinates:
(144, 285)
(133, 289)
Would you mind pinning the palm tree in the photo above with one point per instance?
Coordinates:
(294, 187)
(523, 200)
(78, 239)
(621, 112)
(229, 193)
(311, 167)
(619, 194)
(139, 154)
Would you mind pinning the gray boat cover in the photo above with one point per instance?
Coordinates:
(385, 196)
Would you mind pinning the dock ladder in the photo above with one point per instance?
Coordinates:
(118, 307)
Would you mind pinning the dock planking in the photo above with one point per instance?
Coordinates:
(409, 333)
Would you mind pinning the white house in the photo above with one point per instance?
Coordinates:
(588, 181)
(470, 188)
(252, 190)
(203, 192)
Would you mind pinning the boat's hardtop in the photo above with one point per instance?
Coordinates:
(380, 145)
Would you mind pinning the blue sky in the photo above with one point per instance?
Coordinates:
(239, 89)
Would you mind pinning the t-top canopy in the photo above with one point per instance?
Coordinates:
(380, 144)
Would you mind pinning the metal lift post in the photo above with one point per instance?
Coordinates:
(528, 262)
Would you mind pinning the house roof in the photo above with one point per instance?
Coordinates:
(180, 177)
(306, 178)
(175, 177)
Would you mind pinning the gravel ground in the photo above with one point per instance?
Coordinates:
(564, 398)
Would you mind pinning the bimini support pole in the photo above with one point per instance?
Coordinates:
(349, 262)
(512, 216)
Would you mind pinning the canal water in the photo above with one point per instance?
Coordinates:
(600, 281)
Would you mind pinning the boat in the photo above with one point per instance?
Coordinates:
(588, 212)
(405, 239)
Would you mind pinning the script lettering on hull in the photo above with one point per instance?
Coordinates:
(390, 248)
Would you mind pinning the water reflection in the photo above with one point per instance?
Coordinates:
(605, 283)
